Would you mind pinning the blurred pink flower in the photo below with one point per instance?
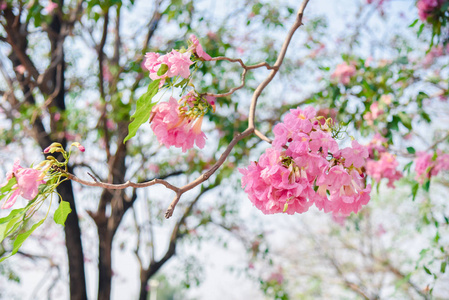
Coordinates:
(20, 69)
(427, 7)
(28, 181)
(50, 7)
(343, 73)
(385, 167)
(198, 49)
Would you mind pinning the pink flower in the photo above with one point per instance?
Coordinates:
(343, 73)
(172, 129)
(428, 7)
(442, 162)
(426, 166)
(377, 145)
(386, 99)
(433, 54)
(276, 277)
(373, 114)
(107, 75)
(198, 49)
(177, 63)
(57, 116)
(355, 156)
(20, 69)
(28, 181)
(384, 168)
(323, 143)
(327, 113)
(346, 192)
(50, 7)
(271, 186)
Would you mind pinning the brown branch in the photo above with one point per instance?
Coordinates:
(262, 136)
(435, 144)
(121, 186)
(243, 77)
(276, 66)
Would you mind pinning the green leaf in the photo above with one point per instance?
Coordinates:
(10, 227)
(11, 215)
(415, 188)
(443, 267)
(62, 212)
(414, 23)
(427, 270)
(162, 70)
(21, 238)
(437, 237)
(143, 109)
(426, 185)
(6, 188)
(421, 28)
(411, 150)
(405, 119)
(407, 167)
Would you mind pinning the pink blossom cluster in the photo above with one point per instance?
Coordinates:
(385, 167)
(380, 163)
(373, 114)
(343, 73)
(427, 165)
(433, 54)
(198, 49)
(28, 181)
(177, 62)
(306, 167)
(427, 8)
(173, 127)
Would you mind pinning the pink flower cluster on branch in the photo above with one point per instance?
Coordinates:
(175, 63)
(427, 8)
(382, 164)
(179, 124)
(428, 165)
(306, 167)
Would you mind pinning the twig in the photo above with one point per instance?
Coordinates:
(122, 186)
(262, 136)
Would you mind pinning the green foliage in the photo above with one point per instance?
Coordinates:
(21, 238)
(62, 212)
(143, 109)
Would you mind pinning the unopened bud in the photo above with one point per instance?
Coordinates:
(79, 146)
(54, 147)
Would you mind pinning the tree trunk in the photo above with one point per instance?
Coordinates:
(73, 245)
(143, 286)
(104, 262)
